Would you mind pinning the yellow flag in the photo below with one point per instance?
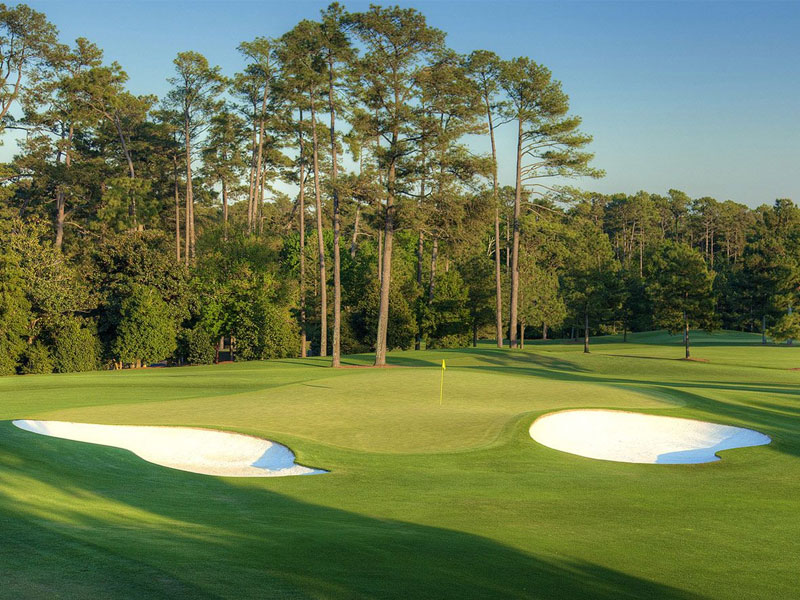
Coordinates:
(441, 385)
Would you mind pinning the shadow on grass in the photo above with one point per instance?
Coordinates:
(88, 521)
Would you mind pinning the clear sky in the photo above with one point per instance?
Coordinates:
(698, 96)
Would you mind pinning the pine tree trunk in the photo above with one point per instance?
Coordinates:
(764, 329)
(251, 194)
(474, 334)
(258, 188)
(224, 209)
(515, 241)
(386, 270)
(544, 331)
(586, 329)
(337, 264)
(354, 241)
(420, 247)
(177, 215)
(432, 278)
(323, 282)
(380, 256)
(302, 227)
(686, 333)
(497, 278)
(522, 335)
(61, 197)
(187, 249)
(60, 202)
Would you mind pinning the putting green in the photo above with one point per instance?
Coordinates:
(422, 500)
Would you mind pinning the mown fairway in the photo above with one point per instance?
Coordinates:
(423, 501)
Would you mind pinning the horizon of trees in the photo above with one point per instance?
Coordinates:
(138, 230)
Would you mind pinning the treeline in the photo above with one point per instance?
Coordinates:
(137, 230)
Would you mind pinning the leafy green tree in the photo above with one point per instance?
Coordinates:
(680, 288)
(27, 41)
(36, 359)
(398, 41)
(196, 346)
(484, 67)
(224, 155)
(14, 312)
(592, 276)
(787, 328)
(337, 53)
(145, 333)
(549, 144)
(76, 347)
(769, 275)
(195, 88)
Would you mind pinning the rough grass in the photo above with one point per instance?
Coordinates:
(423, 500)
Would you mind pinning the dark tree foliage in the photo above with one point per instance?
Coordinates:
(357, 153)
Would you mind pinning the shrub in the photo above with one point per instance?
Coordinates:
(36, 359)
(76, 348)
(146, 332)
(197, 347)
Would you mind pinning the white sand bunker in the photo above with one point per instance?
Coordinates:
(203, 451)
(638, 438)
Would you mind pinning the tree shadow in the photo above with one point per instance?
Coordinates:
(88, 521)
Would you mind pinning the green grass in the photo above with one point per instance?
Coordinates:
(422, 501)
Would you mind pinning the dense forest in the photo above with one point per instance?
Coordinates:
(339, 194)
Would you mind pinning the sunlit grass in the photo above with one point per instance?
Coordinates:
(423, 500)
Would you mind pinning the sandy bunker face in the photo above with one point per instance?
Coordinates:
(203, 451)
(639, 438)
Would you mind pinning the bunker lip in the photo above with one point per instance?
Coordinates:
(203, 451)
(631, 437)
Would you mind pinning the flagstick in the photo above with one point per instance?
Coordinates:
(441, 385)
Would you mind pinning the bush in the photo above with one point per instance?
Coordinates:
(36, 359)
(146, 332)
(265, 330)
(197, 347)
(76, 348)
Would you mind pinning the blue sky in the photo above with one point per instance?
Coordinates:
(698, 96)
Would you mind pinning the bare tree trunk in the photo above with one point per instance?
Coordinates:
(61, 197)
(522, 335)
(131, 171)
(586, 329)
(380, 256)
(386, 271)
(224, 209)
(497, 279)
(337, 263)
(261, 204)
(177, 215)
(188, 250)
(544, 331)
(302, 207)
(420, 248)
(355, 233)
(686, 333)
(251, 194)
(432, 277)
(259, 183)
(323, 284)
(515, 241)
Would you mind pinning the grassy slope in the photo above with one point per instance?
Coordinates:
(423, 501)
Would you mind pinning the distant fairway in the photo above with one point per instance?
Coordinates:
(422, 500)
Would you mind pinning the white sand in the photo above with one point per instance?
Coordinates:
(638, 438)
(202, 451)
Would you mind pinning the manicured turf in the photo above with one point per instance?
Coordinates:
(423, 500)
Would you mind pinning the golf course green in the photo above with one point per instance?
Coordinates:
(423, 500)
